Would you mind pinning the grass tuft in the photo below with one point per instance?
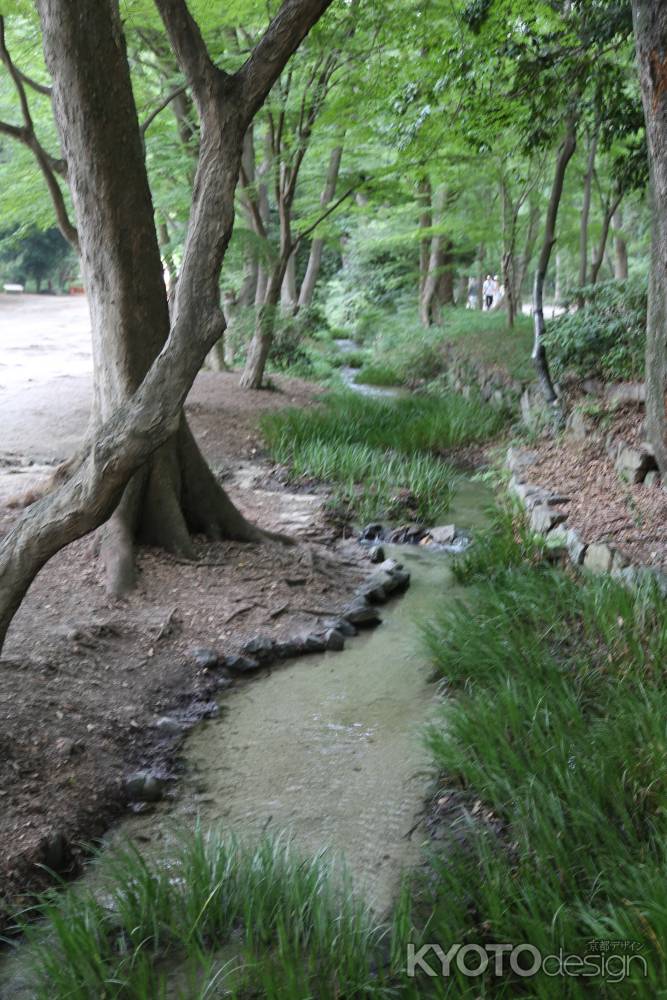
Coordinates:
(382, 454)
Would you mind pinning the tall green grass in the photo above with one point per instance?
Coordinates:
(214, 918)
(381, 453)
(557, 729)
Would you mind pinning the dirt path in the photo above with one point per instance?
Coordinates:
(85, 678)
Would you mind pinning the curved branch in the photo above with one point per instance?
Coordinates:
(282, 37)
(161, 106)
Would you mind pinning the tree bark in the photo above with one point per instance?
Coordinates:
(585, 214)
(620, 248)
(650, 25)
(598, 258)
(317, 245)
(429, 311)
(424, 194)
(85, 52)
(539, 352)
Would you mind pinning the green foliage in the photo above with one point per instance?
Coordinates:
(381, 454)
(376, 373)
(555, 728)
(261, 920)
(605, 338)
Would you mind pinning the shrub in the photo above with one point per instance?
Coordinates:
(606, 337)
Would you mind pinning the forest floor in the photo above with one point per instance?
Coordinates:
(85, 677)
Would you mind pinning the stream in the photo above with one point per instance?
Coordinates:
(326, 747)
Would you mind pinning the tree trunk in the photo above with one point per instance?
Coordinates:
(509, 215)
(83, 45)
(429, 311)
(650, 24)
(620, 248)
(316, 247)
(128, 304)
(539, 352)
(288, 293)
(598, 257)
(585, 214)
(260, 345)
(425, 222)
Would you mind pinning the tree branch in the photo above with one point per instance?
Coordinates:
(161, 106)
(190, 50)
(332, 208)
(282, 37)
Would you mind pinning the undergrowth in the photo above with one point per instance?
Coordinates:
(383, 455)
(555, 726)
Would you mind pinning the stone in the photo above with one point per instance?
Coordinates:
(289, 648)
(205, 659)
(652, 478)
(371, 533)
(443, 534)
(345, 627)
(314, 643)
(169, 726)
(619, 563)
(389, 565)
(260, 647)
(400, 581)
(362, 614)
(518, 460)
(543, 518)
(373, 590)
(241, 664)
(579, 426)
(599, 557)
(335, 640)
(632, 464)
(376, 554)
(625, 392)
(575, 547)
(407, 534)
(144, 786)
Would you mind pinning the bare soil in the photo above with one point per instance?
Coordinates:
(84, 677)
(602, 507)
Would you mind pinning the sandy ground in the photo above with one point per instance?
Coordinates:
(85, 677)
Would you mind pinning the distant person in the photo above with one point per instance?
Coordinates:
(489, 289)
(498, 291)
(471, 301)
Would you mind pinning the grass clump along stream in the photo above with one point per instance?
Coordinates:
(218, 918)
(555, 737)
(383, 455)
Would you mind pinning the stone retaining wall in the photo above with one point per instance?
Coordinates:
(547, 517)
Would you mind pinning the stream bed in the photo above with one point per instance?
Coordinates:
(326, 748)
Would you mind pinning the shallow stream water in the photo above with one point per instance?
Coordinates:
(326, 747)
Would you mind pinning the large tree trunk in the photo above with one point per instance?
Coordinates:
(539, 352)
(316, 247)
(620, 248)
(650, 23)
(85, 53)
(174, 493)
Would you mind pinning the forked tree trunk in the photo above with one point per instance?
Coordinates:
(539, 352)
(175, 493)
(598, 257)
(85, 53)
(650, 23)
